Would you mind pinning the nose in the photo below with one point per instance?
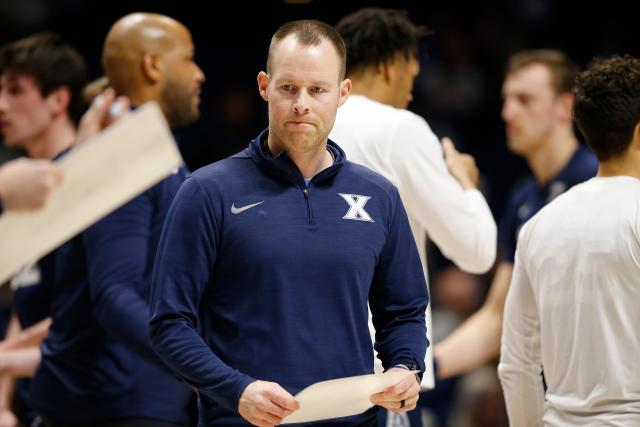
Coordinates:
(3, 101)
(507, 109)
(199, 75)
(301, 104)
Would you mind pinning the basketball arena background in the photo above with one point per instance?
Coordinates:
(457, 91)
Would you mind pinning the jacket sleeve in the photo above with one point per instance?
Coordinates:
(458, 221)
(399, 296)
(520, 367)
(184, 265)
(117, 258)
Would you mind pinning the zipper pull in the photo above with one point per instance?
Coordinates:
(306, 193)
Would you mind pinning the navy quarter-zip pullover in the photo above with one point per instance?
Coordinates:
(261, 277)
(97, 363)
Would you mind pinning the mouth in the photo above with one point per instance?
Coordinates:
(511, 130)
(294, 123)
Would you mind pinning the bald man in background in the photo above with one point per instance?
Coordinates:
(97, 366)
(149, 57)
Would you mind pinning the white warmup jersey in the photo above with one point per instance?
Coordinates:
(573, 310)
(401, 146)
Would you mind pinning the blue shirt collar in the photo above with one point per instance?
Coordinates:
(283, 167)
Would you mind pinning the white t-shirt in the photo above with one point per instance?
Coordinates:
(401, 146)
(573, 310)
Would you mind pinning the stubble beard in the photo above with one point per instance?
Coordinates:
(180, 109)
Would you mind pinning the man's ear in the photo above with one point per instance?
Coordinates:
(387, 69)
(152, 67)
(564, 106)
(263, 84)
(635, 141)
(59, 100)
(345, 90)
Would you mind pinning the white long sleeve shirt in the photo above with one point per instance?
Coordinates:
(573, 310)
(401, 146)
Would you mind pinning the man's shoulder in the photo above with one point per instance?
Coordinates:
(402, 117)
(395, 132)
(356, 172)
(376, 112)
(583, 165)
(568, 200)
(522, 191)
(222, 176)
(585, 157)
(171, 182)
(547, 216)
(222, 168)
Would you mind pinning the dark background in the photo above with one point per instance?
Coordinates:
(458, 90)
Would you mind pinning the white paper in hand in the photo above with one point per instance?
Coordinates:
(342, 397)
(99, 176)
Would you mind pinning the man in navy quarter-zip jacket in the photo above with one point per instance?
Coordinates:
(98, 368)
(268, 258)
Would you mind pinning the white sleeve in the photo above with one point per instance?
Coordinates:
(520, 367)
(459, 222)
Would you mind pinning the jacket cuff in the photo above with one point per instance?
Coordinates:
(239, 388)
(410, 363)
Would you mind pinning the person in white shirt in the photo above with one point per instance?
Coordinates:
(374, 128)
(572, 308)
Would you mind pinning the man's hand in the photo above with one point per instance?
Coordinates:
(8, 419)
(461, 166)
(105, 109)
(401, 397)
(266, 404)
(25, 184)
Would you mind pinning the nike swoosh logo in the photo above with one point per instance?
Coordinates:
(235, 210)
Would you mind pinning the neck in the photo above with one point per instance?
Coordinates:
(145, 94)
(309, 162)
(371, 84)
(140, 96)
(55, 139)
(627, 164)
(553, 155)
(140, 92)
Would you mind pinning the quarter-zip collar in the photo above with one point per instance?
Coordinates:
(281, 165)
